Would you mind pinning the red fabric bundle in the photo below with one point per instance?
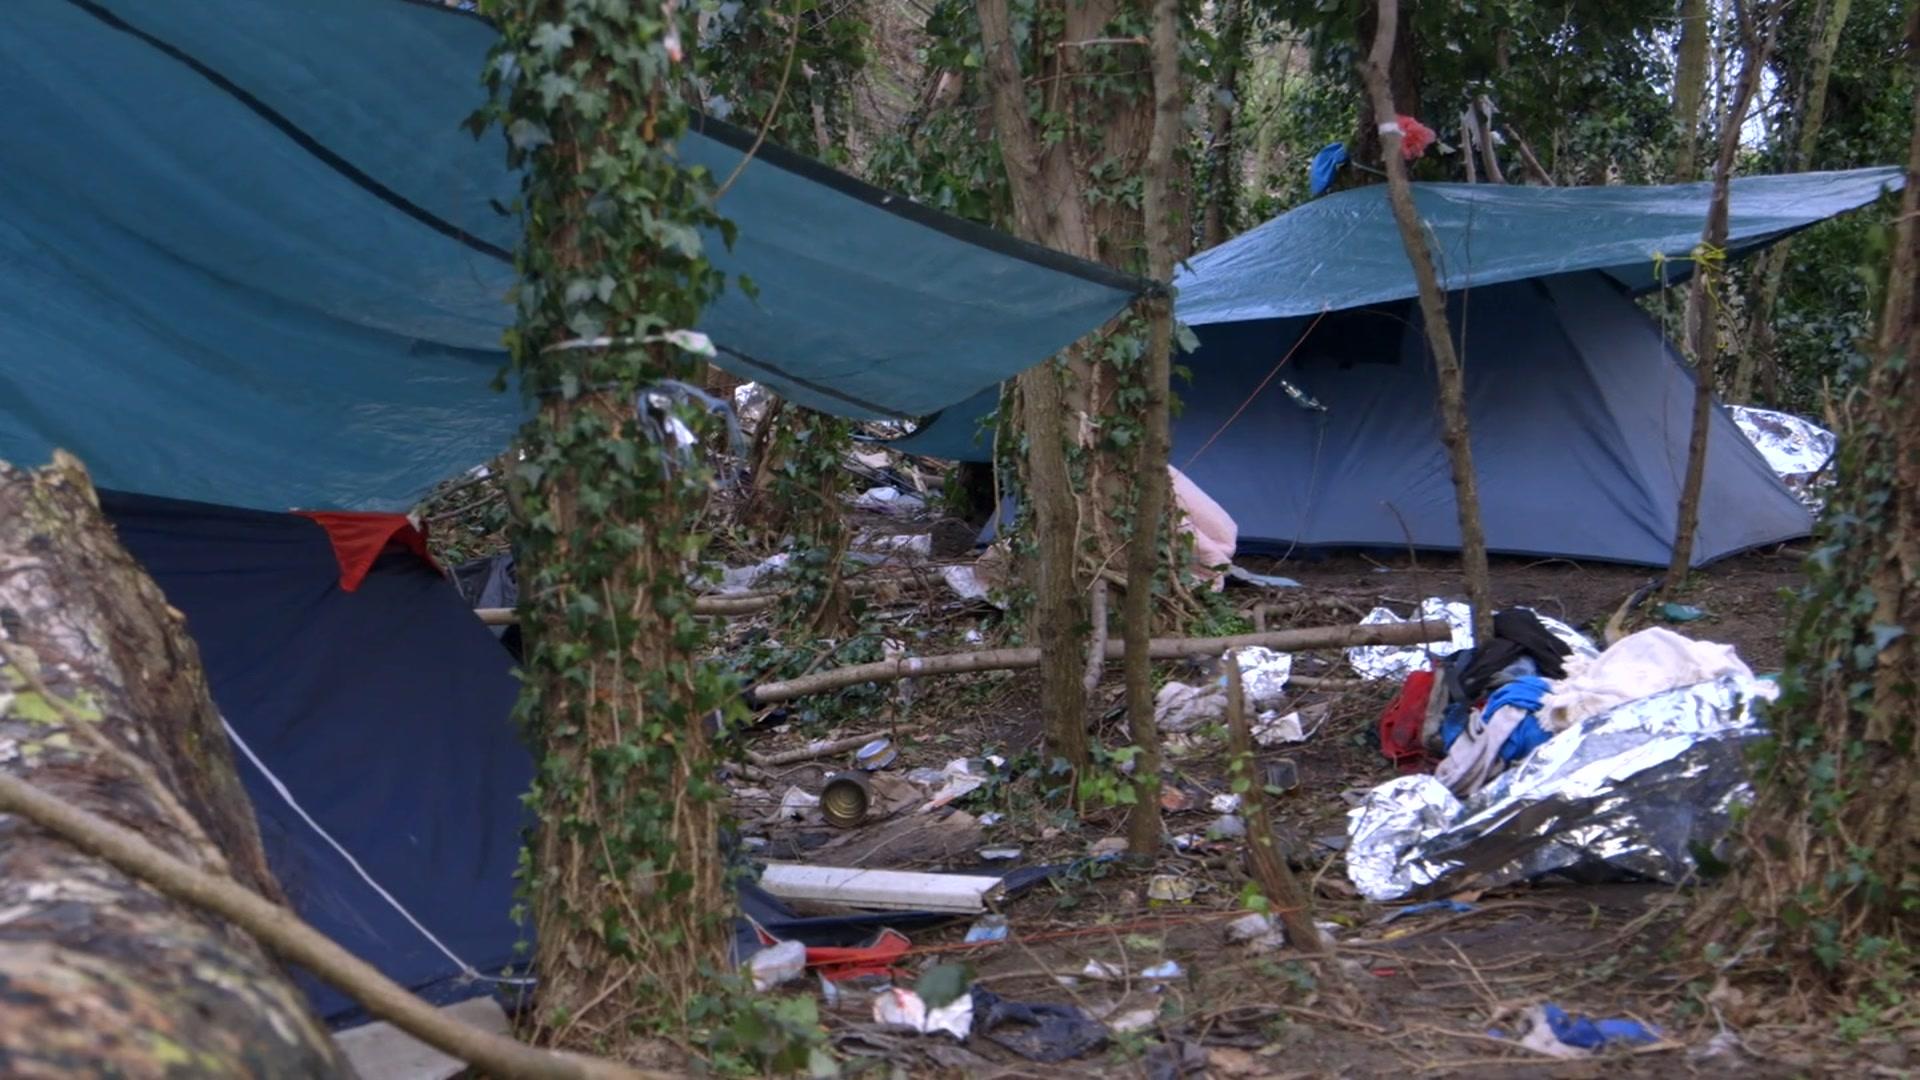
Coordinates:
(1400, 724)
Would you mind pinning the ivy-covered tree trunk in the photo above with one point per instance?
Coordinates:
(624, 884)
(1829, 881)
(103, 704)
(1073, 191)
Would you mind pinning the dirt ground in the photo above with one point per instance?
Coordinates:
(1419, 996)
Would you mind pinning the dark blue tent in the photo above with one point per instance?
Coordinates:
(377, 720)
(1310, 417)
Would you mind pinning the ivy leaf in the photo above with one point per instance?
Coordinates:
(527, 136)
(1184, 336)
(550, 38)
(943, 984)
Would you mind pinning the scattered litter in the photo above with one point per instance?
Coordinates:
(987, 928)
(1555, 1032)
(1188, 841)
(1681, 613)
(957, 780)
(1258, 932)
(896, 543)
(1167, 888)
(739, 579)
(965, 582)
(1100, 969)
(1226, 827)
(1454, 906)
(1227, 803)
(1266, 581)
(1283, 775)
(798, 805)
(777, 964)
(876, 755)
(1798, 450)
(845, 799)
(999, 854)
(754, 843)
(898, 1008)
(890, 890)
(1263, 679)
(1045, 1032)
(1108, 845)
(890, 500)
(989, 820)
(1272, 729)
(1173, 800)
(1396, 662)
(1637, 789)
(1166, 969)
(1135, 1020)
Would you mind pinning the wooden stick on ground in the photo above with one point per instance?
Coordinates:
(281, 931)
(1282, 890)
(813, 750)
(1322, 637)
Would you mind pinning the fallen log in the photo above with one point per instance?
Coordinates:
(904, 667)
(103, 706)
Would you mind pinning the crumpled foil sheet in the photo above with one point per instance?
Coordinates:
(1633, 790)
(1263, 675)
(1396, 662)
(1796, 448)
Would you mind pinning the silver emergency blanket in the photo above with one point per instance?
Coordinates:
(1396, 662)
(1631, 791)
(1796, 448)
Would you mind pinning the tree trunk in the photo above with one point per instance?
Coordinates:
(103, 705)
(630, 910)
(1223, 158)
(1151, 480)
(1690, 87)
(1829, 19)
(1290, 902)
(1070, 404)
(1433, 313)
(1830, 876)
(1403, 93)
(1703, 325)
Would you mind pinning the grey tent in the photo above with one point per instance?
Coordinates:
(1310, 416)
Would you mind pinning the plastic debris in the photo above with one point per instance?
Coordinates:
(1273, 729)
(1134, 1020)
(992, 818)
(1797, 449)
(1257, 931)
(1455, 906)
(1227, 827)
(1165, 969)
(965, 582)
(1396, 662)
(895, 543)
(1167, 888)
(1555, 1032)
(889, 500)
(1638, 789)
(999, 854)
(956, 781)
(1108, 845)
(987, 928)
(1283, 774)
(1100, 969)
(899, 1008)
(1263, 678)
(777, 964)
(1265, 581)
(1040, 1032)
(1227, 803)
(739, 579)
(798, 805)
(1681, 613)
(876, 755)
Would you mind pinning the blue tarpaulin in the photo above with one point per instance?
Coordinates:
(249, 256)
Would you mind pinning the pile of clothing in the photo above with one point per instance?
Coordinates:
(1475, 714)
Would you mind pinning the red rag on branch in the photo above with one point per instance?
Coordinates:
(1401, 721)
(358, 538)
(1415, 137)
